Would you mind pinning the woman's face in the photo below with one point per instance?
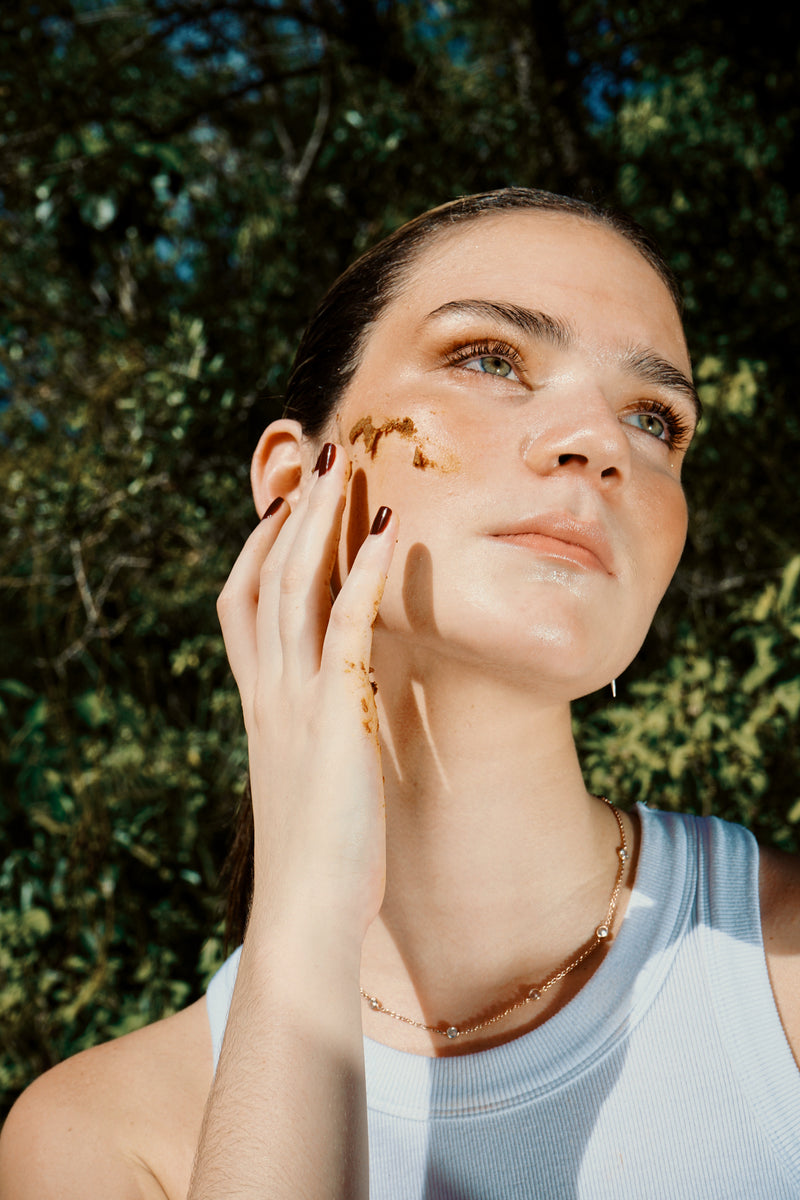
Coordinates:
(524, 406)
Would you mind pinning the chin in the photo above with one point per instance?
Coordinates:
(549, 659)
(565, 641)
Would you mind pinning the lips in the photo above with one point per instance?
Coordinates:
(560, 535)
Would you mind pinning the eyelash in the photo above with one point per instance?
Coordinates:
(678, 430)
(484, 349)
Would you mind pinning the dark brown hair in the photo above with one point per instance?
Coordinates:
(328, 357)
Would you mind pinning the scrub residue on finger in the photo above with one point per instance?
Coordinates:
(369, 720)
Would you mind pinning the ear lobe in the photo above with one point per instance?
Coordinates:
(278, 464)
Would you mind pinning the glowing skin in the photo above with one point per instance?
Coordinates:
(566, 417)
(537, 363)
(535, 541)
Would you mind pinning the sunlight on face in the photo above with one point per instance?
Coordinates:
(524, 405)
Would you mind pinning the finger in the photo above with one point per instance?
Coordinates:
(238, 601)
(305, 598)
(269, 653)
(348, 640)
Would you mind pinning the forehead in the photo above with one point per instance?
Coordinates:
(579, 271)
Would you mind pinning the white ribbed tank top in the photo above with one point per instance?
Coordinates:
(667, 1076)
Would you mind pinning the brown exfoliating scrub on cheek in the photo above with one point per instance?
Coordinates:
(371, 434)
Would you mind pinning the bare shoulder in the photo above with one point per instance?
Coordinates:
(780, 922)
(120, 1121)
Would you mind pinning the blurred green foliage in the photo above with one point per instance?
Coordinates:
(179, 182)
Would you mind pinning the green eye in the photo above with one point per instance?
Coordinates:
(650, 423)
(492, 365)
(487, 358)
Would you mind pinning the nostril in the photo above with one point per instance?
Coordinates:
(609, 471)
(563, 459)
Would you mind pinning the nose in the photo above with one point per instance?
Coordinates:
(578, 430)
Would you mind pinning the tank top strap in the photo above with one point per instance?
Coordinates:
(744, 1005)
(218, 1000)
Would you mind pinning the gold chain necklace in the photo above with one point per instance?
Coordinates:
(601, 934)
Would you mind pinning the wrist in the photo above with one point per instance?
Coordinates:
(304, 906)
(300, 978)
(306, 939)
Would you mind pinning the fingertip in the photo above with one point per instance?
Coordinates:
(382, 518)
(327, 457)
(274, 507)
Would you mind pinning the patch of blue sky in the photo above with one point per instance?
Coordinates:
(181, 256)
(458, 49)
(59, 30)
(203, 133)
(185, 268)
(302, 31)
(216, 41)
(212, 41)
(182, 211)
(164, 248)
(604, 85)
(179, 207)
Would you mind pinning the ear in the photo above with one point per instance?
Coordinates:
(283, 457)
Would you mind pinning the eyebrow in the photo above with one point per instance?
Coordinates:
(652, 368)
(644, 364)
(534, 324)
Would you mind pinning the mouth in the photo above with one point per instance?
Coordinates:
(562, 536)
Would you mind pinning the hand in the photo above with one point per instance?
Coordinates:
(301, 662)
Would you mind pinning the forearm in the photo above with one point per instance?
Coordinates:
(286, 1115)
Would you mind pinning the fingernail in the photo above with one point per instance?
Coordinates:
(381, 519)
(273, 508)
(326, 457)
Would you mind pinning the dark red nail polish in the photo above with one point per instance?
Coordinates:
(326, 456)
(273, 508)
(382, 517)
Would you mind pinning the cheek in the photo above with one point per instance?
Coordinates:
(411, 431)
(677, 523)
(664, 533)
(396, 479)
(401, 456)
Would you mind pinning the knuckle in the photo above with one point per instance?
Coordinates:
(224, 604)
(318, 496)
(343, 620)
(292, 579)
(267, 571)
(260, 707)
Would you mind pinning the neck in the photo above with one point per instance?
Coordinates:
(499, 863)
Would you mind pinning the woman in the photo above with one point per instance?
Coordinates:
(472, 508)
